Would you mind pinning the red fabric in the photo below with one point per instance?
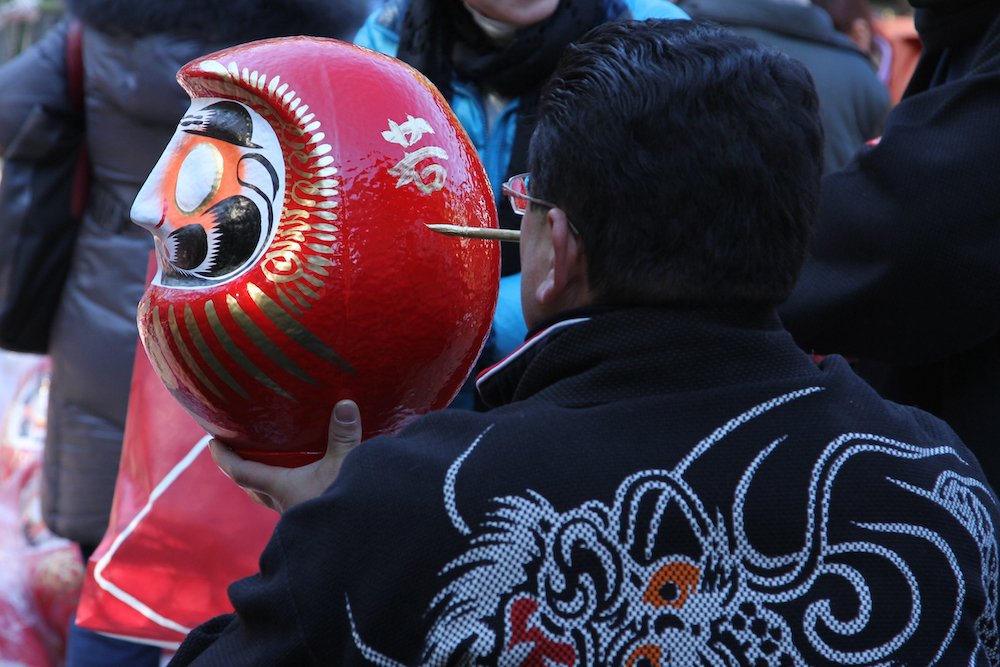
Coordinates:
(180, 530)
(901, 34)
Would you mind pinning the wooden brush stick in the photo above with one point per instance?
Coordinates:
(478, 232)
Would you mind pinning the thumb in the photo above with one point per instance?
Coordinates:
(345, 429)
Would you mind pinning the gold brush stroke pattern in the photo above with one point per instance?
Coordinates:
(206, 353)
(265, 344)
(306, 224)
(315, 281)
(287, 303)
(299, 299)
(186, 353)
(318, 264)
(307, 157)
(307, 291)
(156, 352)
(283, 264)
(238, 356)
(295, 330)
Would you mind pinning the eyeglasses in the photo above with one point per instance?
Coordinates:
(516, 189)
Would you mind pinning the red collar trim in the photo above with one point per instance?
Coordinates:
(525, 347)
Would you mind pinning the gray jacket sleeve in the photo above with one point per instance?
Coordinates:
(37, 76)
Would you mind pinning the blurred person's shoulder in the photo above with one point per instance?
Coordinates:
(380, 31)
(219, 21)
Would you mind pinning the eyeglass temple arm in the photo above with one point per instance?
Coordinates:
(488, 233)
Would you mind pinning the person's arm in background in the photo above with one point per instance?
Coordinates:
(375, 35)
(905, 263)
(656, 9)
(35, 77)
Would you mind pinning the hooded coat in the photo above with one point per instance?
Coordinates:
(131, 53)
(852, 101)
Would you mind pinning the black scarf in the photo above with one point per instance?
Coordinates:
(441, 39)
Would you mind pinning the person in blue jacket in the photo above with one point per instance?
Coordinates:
(489, 58)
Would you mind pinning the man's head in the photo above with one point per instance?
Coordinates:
(687, 157)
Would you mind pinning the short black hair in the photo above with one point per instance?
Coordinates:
(688, 157)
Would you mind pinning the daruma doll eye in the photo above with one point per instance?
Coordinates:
(198, 179)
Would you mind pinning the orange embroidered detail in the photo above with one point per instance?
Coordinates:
(671, 585)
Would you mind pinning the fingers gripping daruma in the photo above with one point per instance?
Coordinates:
(295, 265)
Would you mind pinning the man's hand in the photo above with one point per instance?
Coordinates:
(280, 488)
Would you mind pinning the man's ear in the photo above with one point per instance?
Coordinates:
(565, 286)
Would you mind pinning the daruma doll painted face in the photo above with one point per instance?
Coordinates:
(295, 265)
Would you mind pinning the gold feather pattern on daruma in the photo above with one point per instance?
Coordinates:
(186, 354)
(263, 343)
(206, 353)
(298, 258)
(237, 355)
(308, 158)
(158, 348)
(294, 329)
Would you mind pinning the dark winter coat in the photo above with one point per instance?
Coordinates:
(852, 101)
(132, 51)
(668, 486)
(905, 265)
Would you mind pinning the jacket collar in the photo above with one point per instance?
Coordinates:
(590, 358)
(500, 380)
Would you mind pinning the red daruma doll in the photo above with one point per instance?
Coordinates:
(296, 267)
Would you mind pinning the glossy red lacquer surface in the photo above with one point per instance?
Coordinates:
(355, 297)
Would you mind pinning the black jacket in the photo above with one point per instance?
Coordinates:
(660, 483)
(131, 51)
(905, 264)
(852, 101)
